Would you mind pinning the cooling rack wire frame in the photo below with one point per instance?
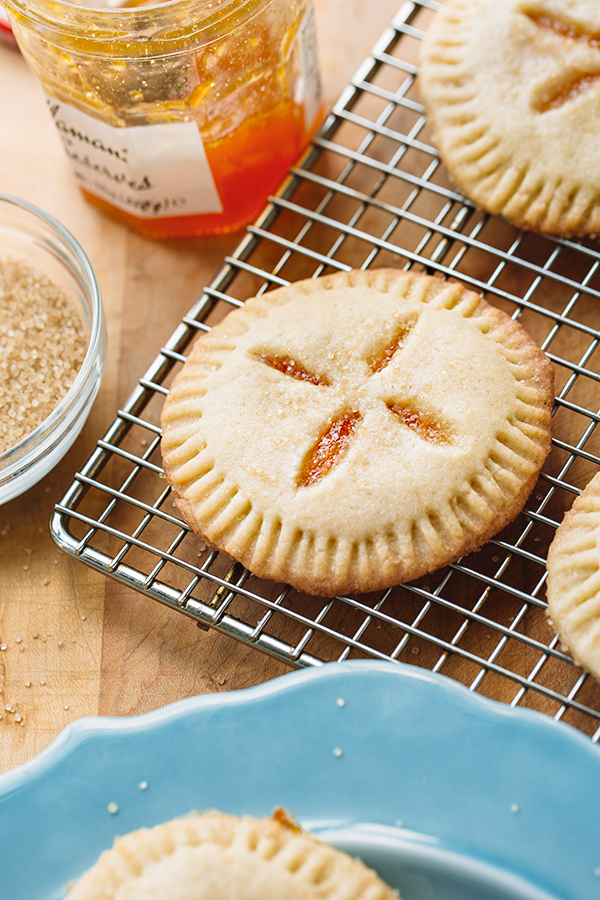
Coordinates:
(371, 191)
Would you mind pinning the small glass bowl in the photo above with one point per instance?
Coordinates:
(42, 243)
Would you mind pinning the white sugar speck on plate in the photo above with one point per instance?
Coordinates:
(113, 808)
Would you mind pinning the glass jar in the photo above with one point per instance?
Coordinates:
(178, 119)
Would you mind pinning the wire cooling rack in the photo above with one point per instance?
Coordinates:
(371, 191)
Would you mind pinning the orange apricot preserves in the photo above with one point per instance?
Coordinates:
(178, 119)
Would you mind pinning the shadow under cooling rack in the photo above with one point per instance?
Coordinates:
(371, 191)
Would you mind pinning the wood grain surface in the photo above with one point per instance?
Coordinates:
(74, 643)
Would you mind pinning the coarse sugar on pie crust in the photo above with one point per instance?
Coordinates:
(511, 89)
(356, 431)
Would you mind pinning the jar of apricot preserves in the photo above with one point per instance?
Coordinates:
(177, 118)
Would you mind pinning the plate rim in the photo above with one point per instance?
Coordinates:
(399, 687)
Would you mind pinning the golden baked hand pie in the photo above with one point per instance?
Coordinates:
(574, 579)
(512, 92)
(213, 856)
(358, 430)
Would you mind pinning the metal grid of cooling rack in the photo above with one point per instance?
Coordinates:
(371, 191)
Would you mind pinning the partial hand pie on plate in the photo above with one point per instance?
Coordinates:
(512, 91)
(355, 431)
(574, 579)
(213, 856)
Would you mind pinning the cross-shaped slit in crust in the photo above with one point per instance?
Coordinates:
(554, 97)
(336, 438)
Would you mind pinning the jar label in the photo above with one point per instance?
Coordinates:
(310, 67)
(150, 171)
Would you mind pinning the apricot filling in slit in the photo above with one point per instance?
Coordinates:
(554, 98)
(288, 366)
(333, 444)
(425, 426)
(565, 29)
(569, 91)
(378, 362)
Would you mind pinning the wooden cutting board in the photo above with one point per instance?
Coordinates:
(72, 643)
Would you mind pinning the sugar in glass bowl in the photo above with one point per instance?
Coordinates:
(52, 334)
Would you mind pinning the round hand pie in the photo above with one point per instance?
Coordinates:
(213, 856)
(512, 91)
(355, 431)
(574, 579)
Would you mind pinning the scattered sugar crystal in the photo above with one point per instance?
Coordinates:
(143, 785)
(113, 808)
(340, 701)
(337, 751)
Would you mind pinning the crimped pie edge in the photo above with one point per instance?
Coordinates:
(249, 857)
(503, 176)
(573, 582)
(388, 558)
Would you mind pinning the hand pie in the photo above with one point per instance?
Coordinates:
(356, 431)
(573, 586)
(512, 91)
(213, 856)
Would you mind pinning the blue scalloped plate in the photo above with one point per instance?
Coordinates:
(449, 795)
